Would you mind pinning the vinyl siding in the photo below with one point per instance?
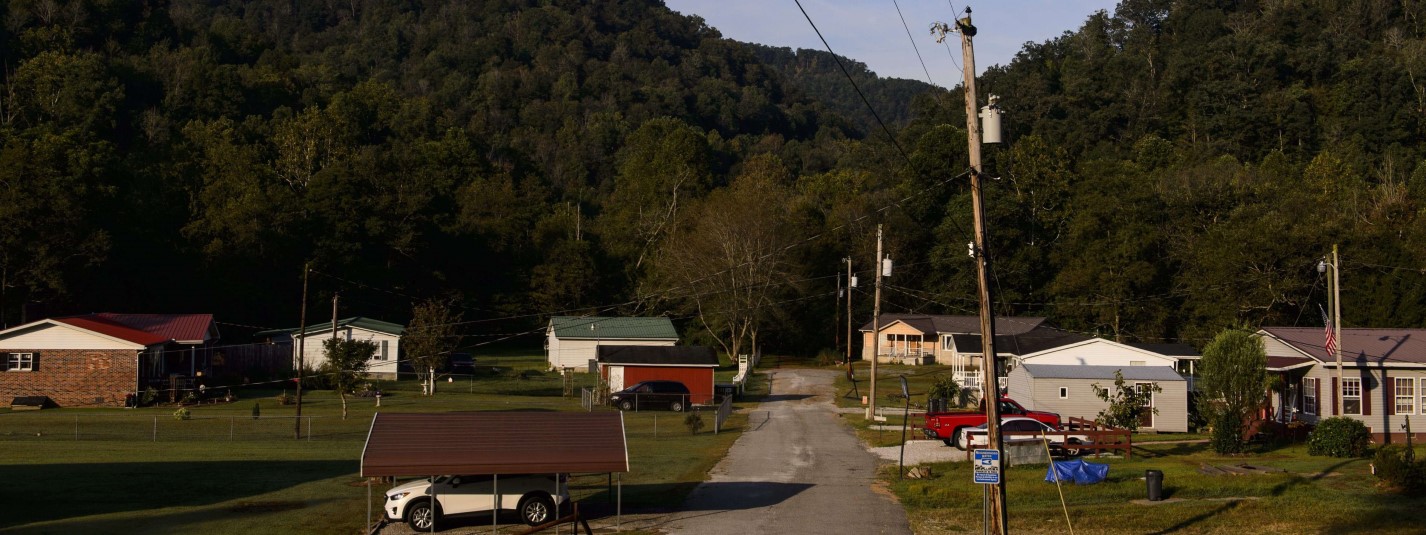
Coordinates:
(1377, 397)
(577, 353)
(50, 336)
(1043, 394)
(315, 354)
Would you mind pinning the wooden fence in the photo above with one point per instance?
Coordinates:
(1079, 436)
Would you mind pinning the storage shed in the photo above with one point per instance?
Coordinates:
(1070, 391)
(623, 366)
(571, 341)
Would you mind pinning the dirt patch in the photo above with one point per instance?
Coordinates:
(266, 507)
(883, 488)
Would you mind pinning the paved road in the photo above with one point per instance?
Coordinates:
(797, 469)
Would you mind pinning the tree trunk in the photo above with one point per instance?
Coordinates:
(432, 378)
(342, 393)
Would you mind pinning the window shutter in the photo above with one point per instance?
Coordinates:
(1335, 388)
(1317, 395)
(1367, 395)
(1390, 398)
(4, 361)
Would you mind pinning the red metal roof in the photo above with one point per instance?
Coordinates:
(114, 329)
(185, 328)
(478, 443)
(1277, 364)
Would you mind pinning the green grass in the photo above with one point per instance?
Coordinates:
(1314, 495)
(142, 470)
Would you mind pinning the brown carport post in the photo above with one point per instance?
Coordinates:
(496, 443)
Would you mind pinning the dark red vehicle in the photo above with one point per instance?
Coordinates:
(946, 426)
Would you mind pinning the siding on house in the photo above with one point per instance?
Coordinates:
(1043, 393)
(383, 365)
(698, 380)
(571, 343)
(51, 336)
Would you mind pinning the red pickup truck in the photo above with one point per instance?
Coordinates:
(946, 426)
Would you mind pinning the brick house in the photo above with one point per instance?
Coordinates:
(102, 359)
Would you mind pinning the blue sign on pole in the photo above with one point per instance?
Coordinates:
(985, 467)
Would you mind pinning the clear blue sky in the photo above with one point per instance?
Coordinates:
(870, 31)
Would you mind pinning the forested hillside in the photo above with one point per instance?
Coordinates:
(817, 74)
(1169, 172)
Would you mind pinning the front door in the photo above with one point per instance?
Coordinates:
(1146, 393)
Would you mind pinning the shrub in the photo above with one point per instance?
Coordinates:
(828, 357)
(257, 411)
(149, 396)
(1339, 437)
(285, 399)
(182, 414)
(1227, 434)
(1395, 466)
(694, 421)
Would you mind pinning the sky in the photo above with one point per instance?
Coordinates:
(870, 31)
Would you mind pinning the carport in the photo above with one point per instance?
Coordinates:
(495, 444)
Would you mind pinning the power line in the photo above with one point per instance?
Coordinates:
(913, 45)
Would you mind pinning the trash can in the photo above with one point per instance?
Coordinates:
(1155, 479)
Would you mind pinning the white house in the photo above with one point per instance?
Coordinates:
(572, 341)
(386, 336)
(1069, 389)
(1100, 352)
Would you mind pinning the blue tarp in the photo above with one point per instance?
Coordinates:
(1078, 471)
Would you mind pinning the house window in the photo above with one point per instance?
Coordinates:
(1351, 395)
(382, 355)
(20, 362)
(947, 343)
(1064, 392)
(1309, 395)
(1405, 395)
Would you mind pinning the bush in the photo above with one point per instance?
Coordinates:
(285, 399)
(150, 394)
(694, 421)
(182, 414)
(1396, 466)
(1227, 434)
(828, 357)
(1339, 437)
(257, 411)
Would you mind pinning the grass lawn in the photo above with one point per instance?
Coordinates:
(142, 470)
(1312, 495)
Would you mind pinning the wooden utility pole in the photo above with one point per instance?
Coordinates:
(301, 348)
(335, 296)
(875, 331)
(1337, 325)
(849, 314)
(990, 365)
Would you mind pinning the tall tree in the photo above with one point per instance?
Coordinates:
(1234, 379)
(429, 340)
(345, 367)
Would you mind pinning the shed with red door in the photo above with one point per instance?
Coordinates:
(623, 366)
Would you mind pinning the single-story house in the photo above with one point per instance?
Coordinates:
(1100, 352)
(386, 336)
(103, 359)
(571, 341)
(955, 340)
(623, 366)
(1069, 389)
(1383, 377)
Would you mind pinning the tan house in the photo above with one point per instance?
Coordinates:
(1383, 377)
(955, 341)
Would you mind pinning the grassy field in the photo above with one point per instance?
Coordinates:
(1310, 495)
(142, 470)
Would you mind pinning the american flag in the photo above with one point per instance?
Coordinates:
(1329, 332)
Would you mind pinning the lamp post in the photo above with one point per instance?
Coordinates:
(1335, 298)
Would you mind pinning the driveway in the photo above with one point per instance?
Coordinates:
(797, 469)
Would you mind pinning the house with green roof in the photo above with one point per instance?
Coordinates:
(572, 341)
(386, 336)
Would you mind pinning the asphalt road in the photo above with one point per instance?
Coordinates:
(797, 469)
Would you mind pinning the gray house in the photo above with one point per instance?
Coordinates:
(1070, 391)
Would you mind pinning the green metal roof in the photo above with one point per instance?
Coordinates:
(358, 322)
(612, 328)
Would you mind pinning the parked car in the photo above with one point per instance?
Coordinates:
(946, 426)
(533, 496)
(974, 437)
(650, 394)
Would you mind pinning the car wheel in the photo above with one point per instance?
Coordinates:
(420, 515)
(1072, 447)
(676, 406)
(536, 509)
(626, 405)
(956, 438)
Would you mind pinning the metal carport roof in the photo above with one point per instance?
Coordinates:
(408, 444)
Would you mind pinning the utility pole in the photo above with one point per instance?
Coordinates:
(1335, 304)
(335, 296)
(850, 285)
(301, 348)
(875, 331)
(990, 383)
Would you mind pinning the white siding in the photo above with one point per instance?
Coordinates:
(315, 354)
(1375, 397)
(577, 353)
(1099, 353)
(51, 336)
(1043, 394)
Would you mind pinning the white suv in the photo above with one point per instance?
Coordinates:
(533, 496)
